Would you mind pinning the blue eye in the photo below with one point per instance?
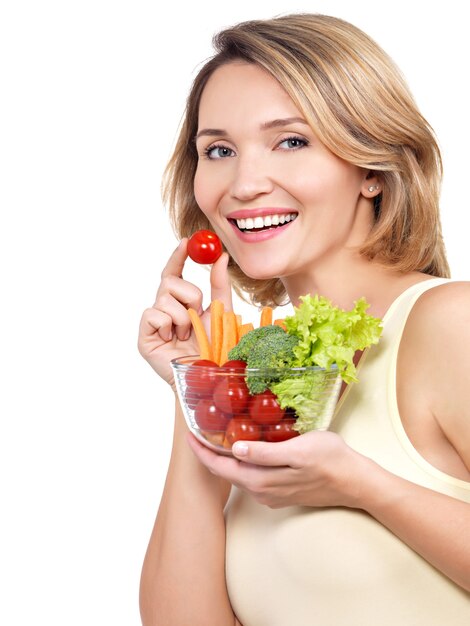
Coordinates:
(293, 143)
(218, 152)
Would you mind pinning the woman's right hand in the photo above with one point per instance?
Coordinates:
(165, 331)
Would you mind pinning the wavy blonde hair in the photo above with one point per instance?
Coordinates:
(358, 104)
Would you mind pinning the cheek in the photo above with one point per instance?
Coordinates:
(205, 192)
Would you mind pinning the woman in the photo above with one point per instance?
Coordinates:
(368, 523)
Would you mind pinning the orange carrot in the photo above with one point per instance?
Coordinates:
(229, 340)
(217, 313)
(244, 328)
(280, 323)
(266, 316)
(201, 335)
(239, 323)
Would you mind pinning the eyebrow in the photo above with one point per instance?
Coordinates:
(218, 132)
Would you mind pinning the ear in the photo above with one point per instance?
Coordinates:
(371, 185)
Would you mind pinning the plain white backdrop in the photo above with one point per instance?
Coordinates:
(92, 95)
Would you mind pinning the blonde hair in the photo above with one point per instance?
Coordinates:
(358, 104)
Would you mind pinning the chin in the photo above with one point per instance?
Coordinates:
(260, 273)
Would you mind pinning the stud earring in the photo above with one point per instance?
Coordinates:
(373, 188)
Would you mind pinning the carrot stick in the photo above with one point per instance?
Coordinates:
(239, 323)
(229, 340)
(217, 313)
(266, 316)
(280, 323)
(244, 328)
(201, 335)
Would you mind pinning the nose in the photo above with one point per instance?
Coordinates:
(250, 179)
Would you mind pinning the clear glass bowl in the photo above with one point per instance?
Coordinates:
(219, 408)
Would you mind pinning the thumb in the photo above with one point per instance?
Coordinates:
(221, 285)
(276, 454)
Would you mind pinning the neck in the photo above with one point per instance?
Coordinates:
(348, 277)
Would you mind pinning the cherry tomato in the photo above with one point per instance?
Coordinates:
(281, 431)
(235, 370)
(231, 396)
(265, 409)
(234, 366)
(204, 247)
(242, 428)
(209, 417)
(201, 378)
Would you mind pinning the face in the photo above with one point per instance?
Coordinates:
(278, 198)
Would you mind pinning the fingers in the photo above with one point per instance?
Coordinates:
(279, 454)
(175, 264)
(153, 322)
(221, 285)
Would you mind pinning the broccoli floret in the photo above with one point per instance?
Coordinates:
(264, 348)
(246, 344)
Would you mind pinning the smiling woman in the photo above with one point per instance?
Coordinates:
(269, 152)
(378, 129)
(303, 149)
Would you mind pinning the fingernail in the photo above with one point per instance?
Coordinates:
(240, 449)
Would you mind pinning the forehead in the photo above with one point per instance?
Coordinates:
(243, 91)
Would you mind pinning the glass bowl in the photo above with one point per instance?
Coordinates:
(220, 407)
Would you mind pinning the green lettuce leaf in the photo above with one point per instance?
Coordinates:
(312, 395)
(328, 334)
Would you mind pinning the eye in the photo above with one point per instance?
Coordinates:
(218, 152)
(292, 143)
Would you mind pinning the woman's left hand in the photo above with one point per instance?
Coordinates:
(316, 469)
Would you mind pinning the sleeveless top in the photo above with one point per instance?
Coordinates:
(335, 566)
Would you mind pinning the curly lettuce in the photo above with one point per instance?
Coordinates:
(328, 334)
(328, 337)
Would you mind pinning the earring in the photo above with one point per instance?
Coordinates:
(373, 188)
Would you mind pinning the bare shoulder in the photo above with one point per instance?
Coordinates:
(435, 345)
(440, 319)
(451, 297)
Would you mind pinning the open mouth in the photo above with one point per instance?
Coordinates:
(260, 223)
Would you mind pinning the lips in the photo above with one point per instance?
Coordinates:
(267, 221)
(260, 212)
(261, 234)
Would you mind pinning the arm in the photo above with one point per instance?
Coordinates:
(434, 525)
(183, 575)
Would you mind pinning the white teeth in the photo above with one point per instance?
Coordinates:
(265, 222)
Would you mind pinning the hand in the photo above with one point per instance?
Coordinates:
(316, 469)
(165, 331)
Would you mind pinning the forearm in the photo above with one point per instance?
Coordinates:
(436, 526)
(183, 576)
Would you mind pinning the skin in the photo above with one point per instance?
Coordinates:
(260, 167)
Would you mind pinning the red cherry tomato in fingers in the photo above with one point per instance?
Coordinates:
(204, 247)
(242, 428)
(281, 431)
(265, 409)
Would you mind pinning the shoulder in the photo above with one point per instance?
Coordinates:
(438, 326)
(436, 340)
(441, 317)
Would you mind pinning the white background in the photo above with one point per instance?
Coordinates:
(92, 94)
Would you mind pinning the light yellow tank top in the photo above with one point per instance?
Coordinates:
(300, 566)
